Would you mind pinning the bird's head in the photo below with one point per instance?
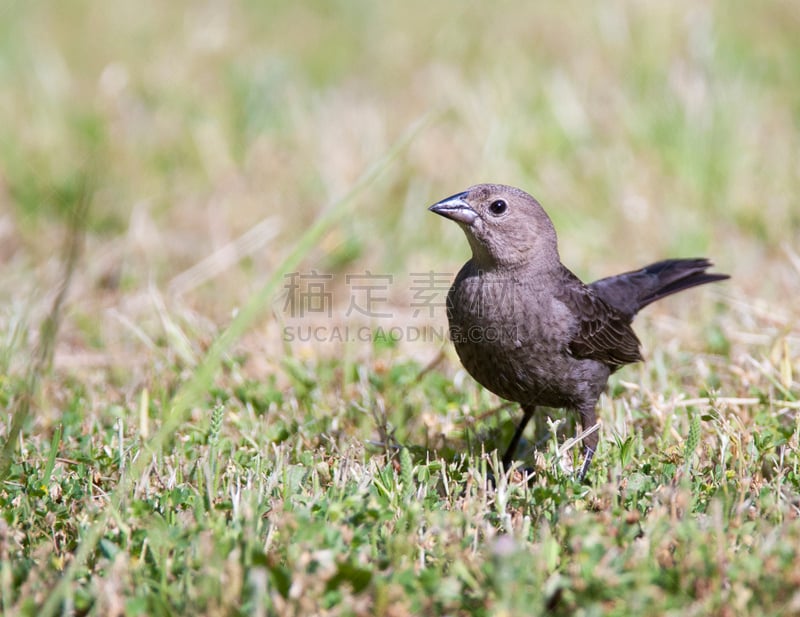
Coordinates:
(504, 225)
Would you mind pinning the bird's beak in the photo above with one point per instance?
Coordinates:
(456, 209)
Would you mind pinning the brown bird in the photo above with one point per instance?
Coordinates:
(527, 328)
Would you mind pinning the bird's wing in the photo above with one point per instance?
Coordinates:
(603, 333)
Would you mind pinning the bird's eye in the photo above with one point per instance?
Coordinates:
(498, 206)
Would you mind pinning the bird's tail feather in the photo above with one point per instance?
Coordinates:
(675, 275)
(632, 291)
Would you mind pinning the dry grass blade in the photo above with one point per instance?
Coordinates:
(226, 257)
(48, 332)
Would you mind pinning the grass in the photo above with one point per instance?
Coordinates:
(169, 449)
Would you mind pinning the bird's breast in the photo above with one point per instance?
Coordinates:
(505, 332)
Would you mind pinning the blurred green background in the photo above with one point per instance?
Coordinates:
(645, 129)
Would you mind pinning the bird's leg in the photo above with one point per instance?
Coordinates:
(588, 420)
(511, 450)
(587, 459)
